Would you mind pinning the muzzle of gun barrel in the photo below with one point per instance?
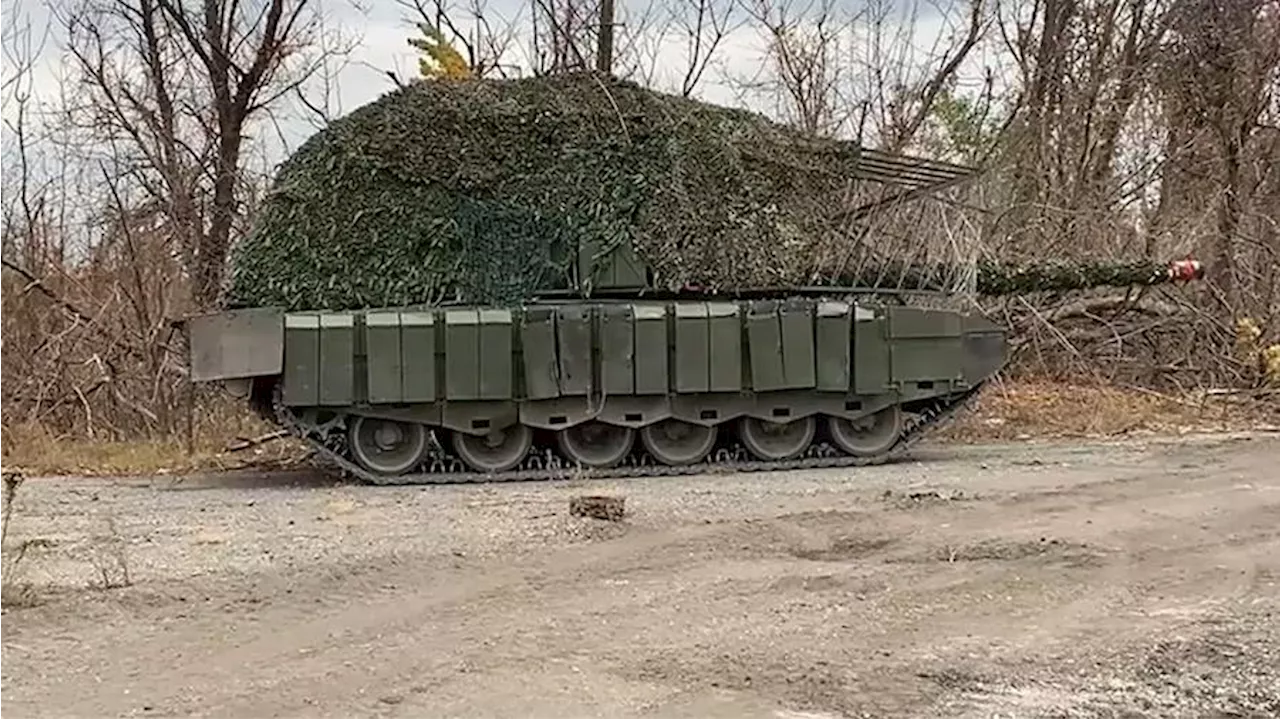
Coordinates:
(1186, 270)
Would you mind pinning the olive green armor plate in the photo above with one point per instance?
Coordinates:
(550, 366)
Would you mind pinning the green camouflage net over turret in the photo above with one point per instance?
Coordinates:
(480, 191)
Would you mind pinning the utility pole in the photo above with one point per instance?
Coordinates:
(604, 49)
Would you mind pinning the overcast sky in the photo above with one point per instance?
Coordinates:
(385, 25)
(381, 27)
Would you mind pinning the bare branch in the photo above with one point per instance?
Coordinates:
(208, 74)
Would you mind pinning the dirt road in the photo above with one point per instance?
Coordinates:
(1127, 579)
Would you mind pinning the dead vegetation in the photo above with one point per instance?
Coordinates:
(15, 589)
(109, 555)
(1049, 407)
(105, 551)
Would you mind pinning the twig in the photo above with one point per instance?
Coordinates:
(88, 413)
(34, 282)
(244, 444)
(1163, 396)
(1225, 391)
(1066, 343)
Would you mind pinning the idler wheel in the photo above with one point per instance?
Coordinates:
(676, 442)
(776, 441)
(497, 451)
(596, 444)
(867, 436)
(385, 446)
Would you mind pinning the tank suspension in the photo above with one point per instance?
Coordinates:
(602, 452)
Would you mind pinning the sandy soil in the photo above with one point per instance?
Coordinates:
(1131, 579)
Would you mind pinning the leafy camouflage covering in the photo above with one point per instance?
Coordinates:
(481, 190)
(994, 279)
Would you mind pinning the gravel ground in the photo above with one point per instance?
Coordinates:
(1123, 579)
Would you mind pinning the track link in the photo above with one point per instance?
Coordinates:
(543, 464)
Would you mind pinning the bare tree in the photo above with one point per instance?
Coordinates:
(654, 35)
(803, 71)
(702, 26)
(174, 91)
(1223, 73)
(901, 85)
(21, 49)
(75, 345)
(837, 73)
(1084, 68)
(24, 203)
(564, 35)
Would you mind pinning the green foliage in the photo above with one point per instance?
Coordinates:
(481, 191)
(968, 131)
(442, 60)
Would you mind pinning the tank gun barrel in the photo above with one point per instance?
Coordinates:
(998, 279)
(1186, 270)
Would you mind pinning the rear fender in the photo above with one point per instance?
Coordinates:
(236, 345)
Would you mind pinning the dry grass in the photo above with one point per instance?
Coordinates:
(37, 451)
(15, 589)
(1014, 409)
(1037, 407)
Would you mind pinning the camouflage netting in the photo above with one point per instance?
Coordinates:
(995, 279)
(481, 190)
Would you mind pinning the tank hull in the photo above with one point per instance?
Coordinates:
(599, 386)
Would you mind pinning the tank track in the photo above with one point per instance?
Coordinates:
(543, 464)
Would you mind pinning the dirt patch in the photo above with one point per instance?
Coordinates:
(824, 518)
(956, 679)
(811, 583)
(1227, 672)
(1118, 584)
(925, 498)
(842, 549)
(1043, 550)
(802, 683)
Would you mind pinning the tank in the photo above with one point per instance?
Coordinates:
(616, 376)
(421, 394)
